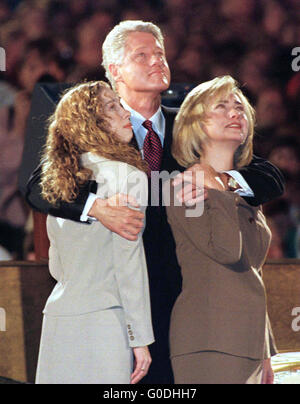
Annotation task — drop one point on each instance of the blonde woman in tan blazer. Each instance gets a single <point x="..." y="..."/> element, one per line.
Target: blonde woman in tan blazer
<point x="97" y="320"/>
<point x="219" y="332"/>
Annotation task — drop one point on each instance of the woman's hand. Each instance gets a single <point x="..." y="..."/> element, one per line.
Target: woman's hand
<point x="195" y="181"/>
<point x="142" y="361"/>
<point x="268" y="374"/>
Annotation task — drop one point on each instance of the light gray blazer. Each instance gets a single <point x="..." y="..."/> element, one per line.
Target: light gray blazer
<point x="95" y="268"/>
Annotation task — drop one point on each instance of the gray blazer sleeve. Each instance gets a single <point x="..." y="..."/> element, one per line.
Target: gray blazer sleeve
<point x="131" y="271"/>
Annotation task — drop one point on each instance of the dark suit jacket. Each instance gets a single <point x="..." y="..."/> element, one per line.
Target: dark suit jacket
<point x="163" y="269"/>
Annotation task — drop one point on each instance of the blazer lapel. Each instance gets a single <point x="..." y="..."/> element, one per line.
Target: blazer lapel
<point x="169" y="115"/>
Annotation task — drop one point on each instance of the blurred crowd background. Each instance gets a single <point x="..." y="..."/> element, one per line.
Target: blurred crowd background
<point x="253" y="40"/>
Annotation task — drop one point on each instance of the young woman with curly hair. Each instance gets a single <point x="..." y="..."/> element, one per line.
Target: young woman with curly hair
<point x="97" y="319"/>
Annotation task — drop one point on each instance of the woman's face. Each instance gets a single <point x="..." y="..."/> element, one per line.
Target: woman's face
<point x="227" y="120"/>
<point x="144" y="67"/>
<point x="117" y="116"/>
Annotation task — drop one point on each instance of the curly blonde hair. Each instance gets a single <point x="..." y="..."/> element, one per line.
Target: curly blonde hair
<point x="79" y="125"/>
<point x="188" y="134"/>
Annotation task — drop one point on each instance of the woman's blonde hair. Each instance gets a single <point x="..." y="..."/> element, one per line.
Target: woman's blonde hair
<point x="79" y="125"/>
<point x="188" y="133"/>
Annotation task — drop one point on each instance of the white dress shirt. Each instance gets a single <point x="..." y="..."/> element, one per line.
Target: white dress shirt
<point x="140" y="132"/>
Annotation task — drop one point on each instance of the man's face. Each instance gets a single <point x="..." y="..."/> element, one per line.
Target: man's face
<point x="144" y="67"/>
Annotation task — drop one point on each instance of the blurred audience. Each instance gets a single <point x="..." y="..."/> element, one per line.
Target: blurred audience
<point x="250" y="40"/>
<point x="284" y="214"/>
<point x="285" y="154"/>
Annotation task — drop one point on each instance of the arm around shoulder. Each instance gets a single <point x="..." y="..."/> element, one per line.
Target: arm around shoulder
<point x="265" y="180"/>
<point x="64" y="210"/>
<point x="209" y="232"/>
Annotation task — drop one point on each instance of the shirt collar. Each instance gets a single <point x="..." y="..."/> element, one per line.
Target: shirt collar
<point x="157" y="119"/>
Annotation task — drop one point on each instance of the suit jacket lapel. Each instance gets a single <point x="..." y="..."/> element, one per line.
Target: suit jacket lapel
<point x="169" y="115"/>
<point x="169" y="163"/>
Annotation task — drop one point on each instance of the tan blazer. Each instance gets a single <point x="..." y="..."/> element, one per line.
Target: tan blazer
<point x="222" y="305"/>
<point x="95" y="268"/>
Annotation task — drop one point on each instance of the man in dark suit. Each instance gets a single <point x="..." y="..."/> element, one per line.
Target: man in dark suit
<point x="135" y="63"/>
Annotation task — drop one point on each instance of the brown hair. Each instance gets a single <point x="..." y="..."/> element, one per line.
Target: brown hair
<point x="79" y="125"/>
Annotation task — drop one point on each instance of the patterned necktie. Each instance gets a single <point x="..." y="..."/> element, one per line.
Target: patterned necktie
<point x="153" y="150"/>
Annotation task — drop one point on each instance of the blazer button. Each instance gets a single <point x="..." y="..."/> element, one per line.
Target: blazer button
<point x="132" y="338"/>
<point x="251" y="220"/>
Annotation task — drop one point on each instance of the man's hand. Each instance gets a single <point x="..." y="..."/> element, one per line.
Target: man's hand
<point x="195" y="185"/>
<point x="116" y="216"/>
